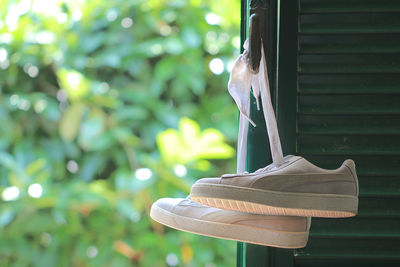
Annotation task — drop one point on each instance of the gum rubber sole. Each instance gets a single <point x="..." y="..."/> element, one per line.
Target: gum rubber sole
<point x="274" y="203"/>
<point x="254" y="235"/>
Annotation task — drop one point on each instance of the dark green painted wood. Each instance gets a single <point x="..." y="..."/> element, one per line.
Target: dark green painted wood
<point x="352" y="247"/>
<point x="353" y="6"/>
<point x="241" y="247"/>
<point x="350" y="104"/>
<point x="345" y="44"/>
<point x="258" y="154"/>
<point x="373" y="185"/>
<point x="318" y="23"/>
<point x="343" y="62"/>
<point x="378" y="165"/>
<point x="284" y="98"/>
<point x="368" y="63"/>
<point x="349" y="144"/>
<point x="285" y="101"/>
<point x="336" y="261"/>
<point x="349" y="107"/>
<point x="349" y="124"/>
<point x="258" y="256"/>
<point x="241" y="254"/>
<point x="287" y="76"/>
<point x="360" y="226"/>
<point x="349" y="83"/>
<point x="383" y="206"/>
<point x="268" y="256"/>
<point x="258" y="145"/>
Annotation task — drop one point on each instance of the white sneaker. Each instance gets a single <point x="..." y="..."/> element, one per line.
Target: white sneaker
<point x="295" y="188"/>
<point x="189" y="216"/>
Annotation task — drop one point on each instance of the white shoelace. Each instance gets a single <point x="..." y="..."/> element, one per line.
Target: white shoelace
<point x="240" y="82"/>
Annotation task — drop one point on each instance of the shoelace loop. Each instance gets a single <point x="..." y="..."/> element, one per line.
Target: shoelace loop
<point x="240" y="82"/>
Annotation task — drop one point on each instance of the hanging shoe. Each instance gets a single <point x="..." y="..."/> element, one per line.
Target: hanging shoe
<point x="295" y="188"/>
<point x="189" y="216"/>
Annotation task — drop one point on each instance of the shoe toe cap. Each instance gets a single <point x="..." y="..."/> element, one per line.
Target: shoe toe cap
<point x="167" y="203"/>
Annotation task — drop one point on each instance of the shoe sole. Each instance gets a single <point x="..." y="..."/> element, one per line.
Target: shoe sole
<point x="267" y="202"/>
<point x="254" y="235"/>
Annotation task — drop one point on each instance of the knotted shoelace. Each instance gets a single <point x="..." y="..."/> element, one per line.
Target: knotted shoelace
<point x="239" y="86"/>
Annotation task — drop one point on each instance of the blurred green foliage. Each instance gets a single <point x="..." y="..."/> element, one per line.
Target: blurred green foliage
<point x="95" y="103"/>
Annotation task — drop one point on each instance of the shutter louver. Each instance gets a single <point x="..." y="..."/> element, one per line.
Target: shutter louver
<point x="349" y="107"/>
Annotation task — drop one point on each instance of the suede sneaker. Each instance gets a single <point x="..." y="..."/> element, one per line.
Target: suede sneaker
<point x="295" y="188"/>
<point x="189" y="216"/>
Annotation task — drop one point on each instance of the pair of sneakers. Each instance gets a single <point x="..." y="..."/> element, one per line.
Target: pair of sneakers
<point x="272" y="206"/>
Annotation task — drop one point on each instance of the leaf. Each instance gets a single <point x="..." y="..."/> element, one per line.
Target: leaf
<point x="202" y="165"/>
<point x="169" y="145"/>
<point x="6" y="216"/>
<point x="93" y="134"/>
<point x="93" y="41"/>
<point x="221" y="151"/>
<point x="125" y="136"/>
<point x="164" y="71"/>
<point x="213" y="146"/>
<point x="190" y="131"/>
<point x="174" y="46"/>
<point x="7" y="160"/>
<point x="105" y="101"/>
<point x="126" y="208"/>
<point x="190" y="144"/>
<point x="71" y="121"/>
<point x="91" y="165"/>
<point x="134" y="113"/>
<point x="74" y="83"/>
<point x="37" y="171"/>
<point x="191" y="37"/>
<point x="108" y="59"/>
<point x="35" y="166"/>
<point x="126" y="181"/>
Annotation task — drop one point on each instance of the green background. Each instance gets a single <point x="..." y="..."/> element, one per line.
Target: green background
<point x="90" y="93"/>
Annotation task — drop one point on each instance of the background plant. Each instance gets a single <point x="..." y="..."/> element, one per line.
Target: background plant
<point x="106" y="106"/>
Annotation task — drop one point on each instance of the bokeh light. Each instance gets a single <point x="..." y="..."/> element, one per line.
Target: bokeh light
<point x="213" y="19"/>
<point x="35" y="190"/>
<point x="216" y="66"/>
<point x="172" y="259"/>
<point x="126" y="22"/>
<point x="10" y="193"/>
<point x="143" y="174"/>
<point x="180" y="170"/>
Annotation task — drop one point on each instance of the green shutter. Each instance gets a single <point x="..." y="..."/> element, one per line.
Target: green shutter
<point x="348" y="106"/>
<point x="338" y="97"/>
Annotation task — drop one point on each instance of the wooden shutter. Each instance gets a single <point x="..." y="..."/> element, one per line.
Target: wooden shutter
<point x="348" y="106"/>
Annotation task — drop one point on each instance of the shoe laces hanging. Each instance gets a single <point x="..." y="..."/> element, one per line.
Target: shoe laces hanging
<point x="239" y="86"/>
